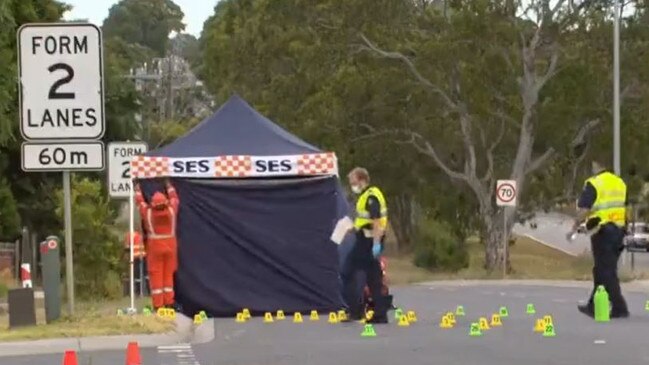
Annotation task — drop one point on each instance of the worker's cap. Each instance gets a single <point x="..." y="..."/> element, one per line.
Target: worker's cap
<point x="158" y="199"/>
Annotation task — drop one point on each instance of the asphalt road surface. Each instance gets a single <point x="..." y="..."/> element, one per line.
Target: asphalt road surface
<point x="579" y="340"/>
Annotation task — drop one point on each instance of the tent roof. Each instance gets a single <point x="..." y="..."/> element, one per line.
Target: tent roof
<point x="235" y="129"/>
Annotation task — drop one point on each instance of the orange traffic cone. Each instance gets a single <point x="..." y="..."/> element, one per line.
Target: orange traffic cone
<point x="133" y="354"/>
<point x="70" y="358"/>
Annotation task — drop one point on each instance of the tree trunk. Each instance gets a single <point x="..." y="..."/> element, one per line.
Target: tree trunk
<point x="403" y="220"/>
<point x="493" y="238"/>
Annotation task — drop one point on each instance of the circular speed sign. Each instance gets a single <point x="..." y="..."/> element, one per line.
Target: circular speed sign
<point x="506" y="192"/>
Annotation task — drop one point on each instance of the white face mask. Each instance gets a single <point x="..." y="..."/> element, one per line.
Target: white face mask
<point x="356" y="189"/>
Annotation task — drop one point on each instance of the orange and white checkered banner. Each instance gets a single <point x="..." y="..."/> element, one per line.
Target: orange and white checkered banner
<point x="145" y="167"/>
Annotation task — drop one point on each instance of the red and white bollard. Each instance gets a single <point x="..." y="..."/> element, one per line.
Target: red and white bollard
<point x="26" y="275"/>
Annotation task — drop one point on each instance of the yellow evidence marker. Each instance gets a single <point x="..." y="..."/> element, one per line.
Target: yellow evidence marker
<point x="171" y="313"/>
<point x="495" y="320"/>
<point x="412" y="317"/>
<point x="240" y="318"/>
<point x="540" y="325"/>
<point x="403" y="321"/>
<point x="198" y="319"/>
<point x="369" y="315"/>
<point x="445" y="322"/>
<point x="451" y="317"/>
<point x="333" y="318"/>
<point x="280" y="315"/>
<point x="314" y="315"/>
<point x="342" y="316"/>
<point x="547" y="319"/>
<point x="246" y="313"/>
<point x="484" y="324"/>
<point x="268" y="317"/>
<point x="297" y="317"/>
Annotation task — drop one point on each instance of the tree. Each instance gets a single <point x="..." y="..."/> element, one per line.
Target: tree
<point x="144" y="22"/>
<point x="487" y="65"/>
<point x="437" y="98"/>
<point x="26" y="190"/>
<point x="97" y="252"/>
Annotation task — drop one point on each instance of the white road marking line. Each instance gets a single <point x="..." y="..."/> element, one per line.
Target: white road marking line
<point x="183" y="354"/>
<point x="171" y="351"/>
<point x="599" y="342"/>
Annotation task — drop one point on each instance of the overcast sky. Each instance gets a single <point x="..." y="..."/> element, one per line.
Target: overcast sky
<point x="196" y="12"/>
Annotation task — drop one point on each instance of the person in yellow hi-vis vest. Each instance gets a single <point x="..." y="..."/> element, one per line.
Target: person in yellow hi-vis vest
<point x="602" y="205"/>
<point x="369" y="225"/>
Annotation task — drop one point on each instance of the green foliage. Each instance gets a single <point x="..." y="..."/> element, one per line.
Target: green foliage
<point x="144" y="22"/>
<point x="168" y="131"/>
<point x="307" y="67"/>
<point x="437" y="247"/>
<point x="9" y="218"/>
<point x="30" y="192"/>
<point x="97" y="252"/>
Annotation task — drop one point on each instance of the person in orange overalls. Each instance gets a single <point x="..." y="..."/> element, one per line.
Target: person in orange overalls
<point x="159" y="217"/>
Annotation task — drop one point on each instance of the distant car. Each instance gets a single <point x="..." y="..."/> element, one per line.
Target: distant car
<point x="637" y="238"/>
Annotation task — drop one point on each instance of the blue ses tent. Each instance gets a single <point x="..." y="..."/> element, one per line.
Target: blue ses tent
<point x="258" y="206"/>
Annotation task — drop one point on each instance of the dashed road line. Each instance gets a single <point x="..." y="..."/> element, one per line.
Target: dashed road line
<point x="181" y="354"/>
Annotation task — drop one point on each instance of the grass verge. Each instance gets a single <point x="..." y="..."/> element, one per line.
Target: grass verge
<point x="529" y="260"/>
<point x="90" y="319"/>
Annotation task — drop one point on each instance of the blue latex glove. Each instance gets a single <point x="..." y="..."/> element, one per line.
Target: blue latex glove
<point x="376" y="249"/>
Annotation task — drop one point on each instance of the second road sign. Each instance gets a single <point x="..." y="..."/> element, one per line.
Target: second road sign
<point x="506" y="193"/>
<point x="120" y="155"/>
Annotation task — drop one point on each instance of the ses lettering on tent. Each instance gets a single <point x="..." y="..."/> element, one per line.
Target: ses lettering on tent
<point x="256" y="166"/>
<point x="262" y="166"/>
<point x="191" y="166"/>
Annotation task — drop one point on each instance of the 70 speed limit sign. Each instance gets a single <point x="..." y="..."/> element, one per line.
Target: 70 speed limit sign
<point x="506" y="193"/>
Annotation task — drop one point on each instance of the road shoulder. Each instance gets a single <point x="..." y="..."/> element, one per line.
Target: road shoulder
<point x="185" y="332"/>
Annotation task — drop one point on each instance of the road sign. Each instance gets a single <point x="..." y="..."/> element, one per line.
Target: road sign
<point x="506" y="193"/>
<point x="63" y="156"/>
<point x="61" y="91"/>
<point x="120" y="155"/>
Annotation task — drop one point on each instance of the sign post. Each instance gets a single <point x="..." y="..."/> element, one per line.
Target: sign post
<point x="61" y="99"/>
<point x="505" y="197"/>
<point x="120" y="185"/>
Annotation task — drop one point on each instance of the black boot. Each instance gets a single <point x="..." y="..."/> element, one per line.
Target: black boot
<point x="587" y="309"/>
<point x="381" y="310"/>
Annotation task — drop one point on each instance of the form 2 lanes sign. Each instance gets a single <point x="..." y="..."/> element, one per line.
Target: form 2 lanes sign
<point x="61" y="81"/>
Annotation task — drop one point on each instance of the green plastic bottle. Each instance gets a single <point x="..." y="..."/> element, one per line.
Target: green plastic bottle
<point x="602" y="305"/>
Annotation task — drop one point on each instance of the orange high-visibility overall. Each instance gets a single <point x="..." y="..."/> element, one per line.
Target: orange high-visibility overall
<point x="162" y="257"/>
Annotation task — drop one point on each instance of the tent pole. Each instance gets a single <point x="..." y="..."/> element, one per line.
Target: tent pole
<point x="131" y="249"/>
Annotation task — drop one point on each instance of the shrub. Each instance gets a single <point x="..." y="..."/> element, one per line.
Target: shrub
<point x="97" y="251"/>
<point x="9" y="218"/>
<point x="437" y="247"/>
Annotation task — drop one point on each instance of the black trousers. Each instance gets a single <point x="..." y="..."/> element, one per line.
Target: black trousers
<point x="359" y="272"/>
<point x="607" y="245"/>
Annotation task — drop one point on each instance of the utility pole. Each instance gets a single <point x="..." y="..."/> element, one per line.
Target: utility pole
<point x="616" y="90"/>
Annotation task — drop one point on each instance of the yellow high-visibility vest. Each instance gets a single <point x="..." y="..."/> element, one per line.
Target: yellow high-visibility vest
<point x="610" y="204"/>
<point x="363" y="216"/>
